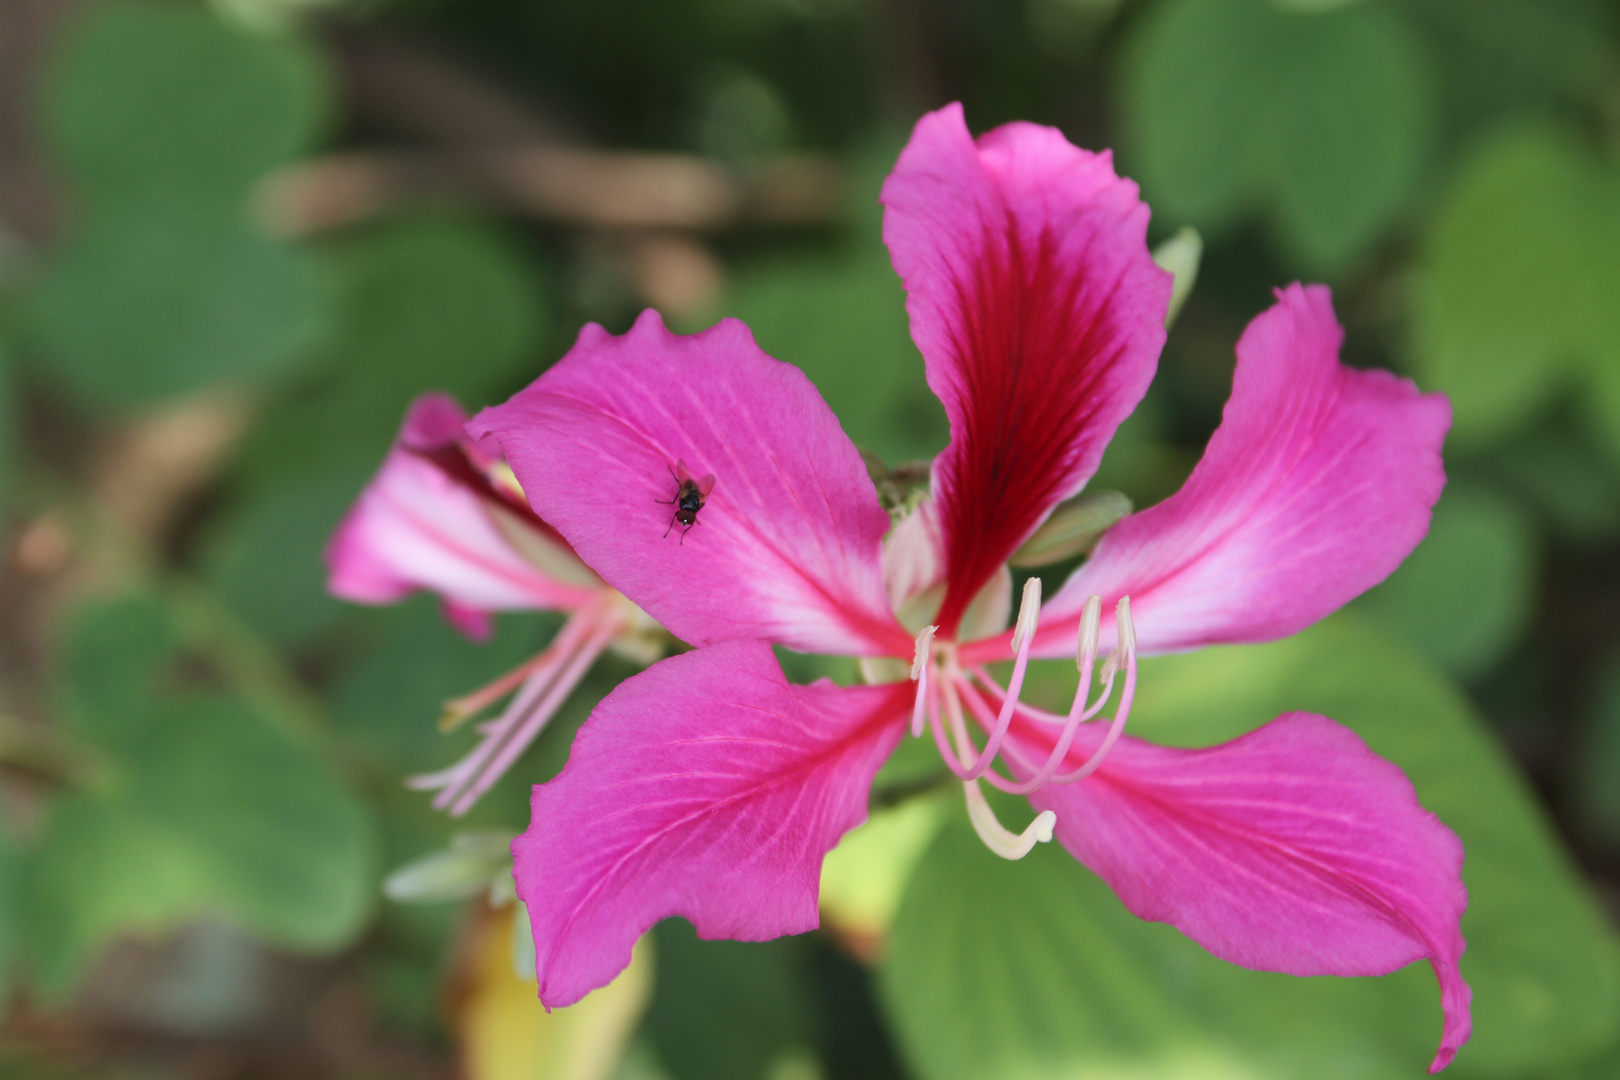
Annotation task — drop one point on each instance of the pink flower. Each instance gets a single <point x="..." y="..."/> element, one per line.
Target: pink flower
<point x="709" y="787"/>
<point x="443" y="515"/>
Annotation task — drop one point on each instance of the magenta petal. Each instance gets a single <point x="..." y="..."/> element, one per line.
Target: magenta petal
<point x="787" y="545"/>
<point x="1294" y="848"/>
<point x="414" y="527"/>
<point x="472" y="622"/>
<point x="1317" y="484"/>
<point x="1039" y="312"/>
<point x="706" y="787"/>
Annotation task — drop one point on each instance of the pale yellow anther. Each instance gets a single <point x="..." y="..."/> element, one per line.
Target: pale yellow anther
<point x="925" y="646"/>
<point x="1029" y="614"/>
<point x="1090" y="629"/>
<point x="1126" y="649"/>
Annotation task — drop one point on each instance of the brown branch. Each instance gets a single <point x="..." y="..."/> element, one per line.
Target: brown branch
<point x="590" y="188"/>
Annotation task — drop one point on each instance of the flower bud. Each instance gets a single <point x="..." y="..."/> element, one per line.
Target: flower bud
<point x="1072" y="529"/>
<point x="1180" y="255"/>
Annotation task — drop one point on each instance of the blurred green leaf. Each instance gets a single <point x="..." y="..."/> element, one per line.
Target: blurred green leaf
<point x="219" y="813"/>
<point x="1465" y="595"/>
<point x="425" y="304"/>
<point x="1566" y="477"/>
<point x="140" y="305"/>
<point x="723" y="1010"/>
<point x="1563" y="44"/>
<point x="1606" y="1067"/>
<point x="163" y="117"/>
<point x="288" y="849"/>
<point x="98" y="873"/>
<point x="1596" y="764"/>
<point x="112" y="659"/>
<point x="1319" y="120"/>
<point x="144" y="99"/>
<point x="266" y="560"/>
<point x="10" y="939"/>
<point x="429" y="304"/>
<point x="1517" y="303"/>
<point x="8" y="423"/>
<point x="386" y="706"/>
<point x="842" y="319"/>
<point x="203" y="807"/>
<point x="839" y="314"/>
<point x="1024" y="969"/>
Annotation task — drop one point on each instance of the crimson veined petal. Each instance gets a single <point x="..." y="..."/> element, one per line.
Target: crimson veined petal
<point x="1040" y="315"/>
<point x="1294" y="848"/>
<point x="1317" y="484"/>
<point x="416" y="526"/>
<point x="786" y="546"/>
<point x="706" y="787"/>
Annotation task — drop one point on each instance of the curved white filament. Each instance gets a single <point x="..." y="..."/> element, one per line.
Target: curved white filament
<point x="996" y="836"/>
<point x="1029" y="613"/>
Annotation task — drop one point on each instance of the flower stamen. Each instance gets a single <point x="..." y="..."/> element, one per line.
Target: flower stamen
<point x="551" y="678"/>
<point x="1029" y="612"/>
<point x="458" y="710"/>
<point x="1124" y="656"/>
<point x="996" y="836"/>
<point x="919" y="675"/>
<point x="1079" y="712"/>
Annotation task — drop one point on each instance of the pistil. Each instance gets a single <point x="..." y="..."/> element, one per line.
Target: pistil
<point x="996" y="836"/>
<point x="939" y="706"/>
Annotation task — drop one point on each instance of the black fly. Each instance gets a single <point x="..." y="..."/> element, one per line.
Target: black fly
<point x="688" y="498"/>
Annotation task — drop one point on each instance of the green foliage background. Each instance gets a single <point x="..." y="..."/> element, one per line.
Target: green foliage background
<point x="203" y="737"/>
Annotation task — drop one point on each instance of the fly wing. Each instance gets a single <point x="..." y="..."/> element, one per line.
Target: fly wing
<point x="705" y="484"/>
<point x="682" y="473"/>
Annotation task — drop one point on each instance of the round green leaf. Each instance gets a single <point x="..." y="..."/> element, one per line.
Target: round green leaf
<point x="143" y="305"/>
<point x="1464" y="596"/>
<point x="210" y="811"/>
<point x="266" y="559"/>
<point x="146" y="96"/>
<point x="723" y="1010"/>
<point x="843" y="321"/>
<point x="198" y="806"/>
<point x="164" y="118"/>
<point x="288" y="850"/>
<point x="422" y="304"/>
<point x="1517" y="300"/>
<point x="1033" y="969"/>
<point x="101" y="870"/>
<point x="1319" y="120"/>
<point x="1597" y="762"/>
<point x="434" y="303"/>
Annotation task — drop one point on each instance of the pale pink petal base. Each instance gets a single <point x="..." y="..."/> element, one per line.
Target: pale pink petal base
<point x="706" y="787"/>
<point x="787" y="545"/>
<point x="1294" y="848"/>
<point x="414" y="527"/>
<point x="1317" y="484"/>
<point x="913" y="556"/>
<point x="1039" y="313"/>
